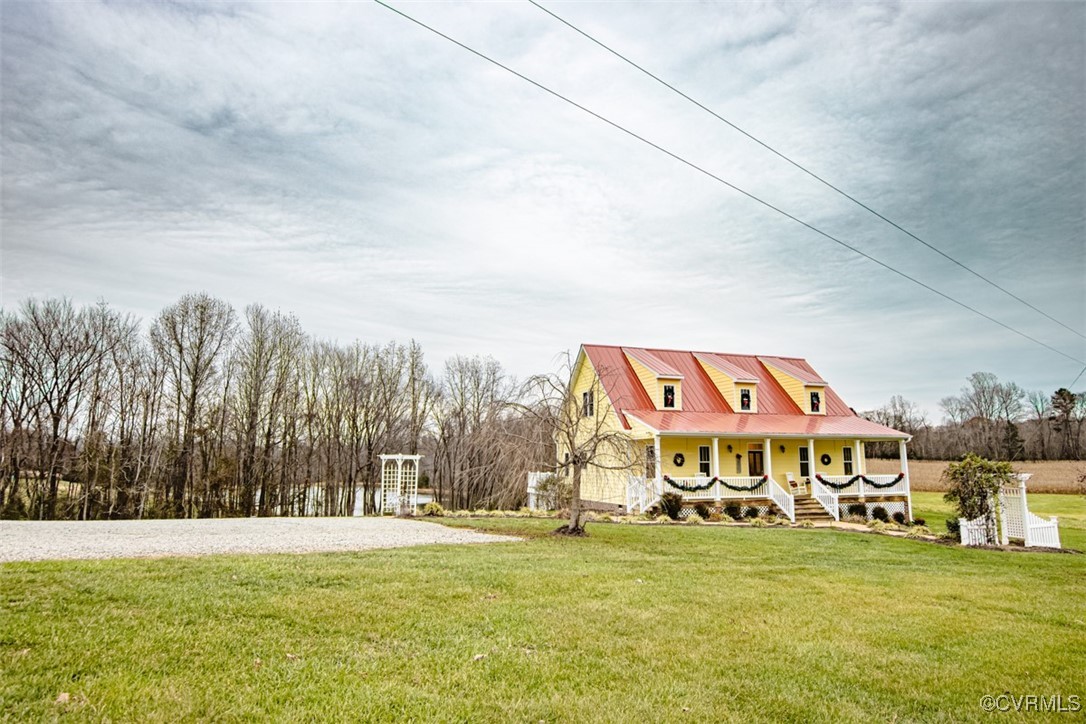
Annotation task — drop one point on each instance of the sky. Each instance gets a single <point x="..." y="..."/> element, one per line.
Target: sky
<point x="341" y="163"/>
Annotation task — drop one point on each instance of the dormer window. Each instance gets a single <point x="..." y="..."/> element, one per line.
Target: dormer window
<point x="744" y="400"/>
<point x="816" y="402"/>
<point x="669" y="396"/>
<point x="587" y="404"/>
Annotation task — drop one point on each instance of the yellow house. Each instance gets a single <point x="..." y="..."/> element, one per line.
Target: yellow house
<point x="730" y="431"/>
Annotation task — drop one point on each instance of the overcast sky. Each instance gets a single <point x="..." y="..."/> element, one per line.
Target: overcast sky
<point x="336" y="161"/>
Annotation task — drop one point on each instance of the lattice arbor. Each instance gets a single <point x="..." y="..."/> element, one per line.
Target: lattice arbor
<point x="399" y="484"/>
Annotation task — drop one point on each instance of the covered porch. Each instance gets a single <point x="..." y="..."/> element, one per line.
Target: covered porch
<point x="773" y="472"/>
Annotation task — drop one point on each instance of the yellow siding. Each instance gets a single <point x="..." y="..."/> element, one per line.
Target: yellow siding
<point x="598" y="484"/>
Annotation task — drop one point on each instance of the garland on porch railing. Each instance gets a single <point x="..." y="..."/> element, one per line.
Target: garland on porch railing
<point x="698" y="488"/>
<point x="854" y="478"/>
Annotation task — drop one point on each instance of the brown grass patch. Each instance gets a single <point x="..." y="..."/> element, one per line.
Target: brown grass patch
<point x="1049" y="476"/>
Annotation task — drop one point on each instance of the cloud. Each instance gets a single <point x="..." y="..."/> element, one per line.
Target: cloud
<point x="340" y="162"/>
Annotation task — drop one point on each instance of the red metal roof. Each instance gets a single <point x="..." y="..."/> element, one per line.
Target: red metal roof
<point x="656" y="365"/>
<point x="705" y="410"/>
<point x="714" y="423"/>
<point x="738" y="374"/>
<point x="803" y="372"/>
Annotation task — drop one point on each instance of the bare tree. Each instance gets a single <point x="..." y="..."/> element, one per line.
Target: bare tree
<point x="191" y="338"/>
<point x="585" y="430"/>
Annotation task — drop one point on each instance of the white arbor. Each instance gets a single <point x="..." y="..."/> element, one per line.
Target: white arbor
<point x="399" y="484"/>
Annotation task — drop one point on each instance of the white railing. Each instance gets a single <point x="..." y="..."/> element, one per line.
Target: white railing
<point x="827" y="498"/>
<point x="640" y="493"/>
<point x="859" y="489"/>
<point x="782" y="499"/>
<point x="754" y="487"/>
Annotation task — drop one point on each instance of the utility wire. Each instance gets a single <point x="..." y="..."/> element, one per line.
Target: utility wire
<point x="806" y="170"/>
<point x="730" y="185"/>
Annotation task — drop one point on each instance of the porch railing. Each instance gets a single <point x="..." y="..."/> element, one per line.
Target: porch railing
<point x="826" y="497"/>
<point x="858" y="488"/>
<point x="749" y="487"/>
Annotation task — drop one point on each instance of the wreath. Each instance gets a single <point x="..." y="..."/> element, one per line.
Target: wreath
<point x="854" y="478"/>
<point x="826" y="459"/>
<point x="679" y="460"/>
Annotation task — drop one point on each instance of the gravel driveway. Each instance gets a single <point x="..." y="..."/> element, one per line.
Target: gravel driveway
<point x="50" y="540"/>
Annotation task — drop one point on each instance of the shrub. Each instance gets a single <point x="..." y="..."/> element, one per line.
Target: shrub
<point x="877" y="525"/>
<point x="672" y="504"/>
<point x="758" y="523"/>
<point x="716" y="518"/>
<point x="858" y="509"/>
<point x="806" y="524"/>
<point x="433" y="509"/>
<point x="954" y="527"/>
<point x="703" y="510"/>
<point x="858" y="519"/>
<point x="917" y="531"/>
<point x="733" y="511"/>
<point x="751" y="512"/>
<point x="919" y="521"/>
<point x="554" y="492"/>
<point x="662" y="519"/>
<point x="879" y="513"/>
<point x="694" y="519"/>
<point x="899" y="518"/>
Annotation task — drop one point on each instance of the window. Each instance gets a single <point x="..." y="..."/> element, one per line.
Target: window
<point x="816" y="402"/>
<point x="669" y="395"/>
<point x="744" y="400"/>
<point x="738" y="464"/>
<point x="650" y="461"/>
<point x="703" y="460"/>
<point x="846" y="458"/>
<point x="587" y="405"/>
<point x="804" y="463"/>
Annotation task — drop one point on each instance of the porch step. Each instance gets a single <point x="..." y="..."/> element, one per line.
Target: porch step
<point x="807" y="508"/>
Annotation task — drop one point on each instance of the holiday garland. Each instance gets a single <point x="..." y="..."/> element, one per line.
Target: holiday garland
<point x="854" y="478"/>
<point x="698" y="488"/>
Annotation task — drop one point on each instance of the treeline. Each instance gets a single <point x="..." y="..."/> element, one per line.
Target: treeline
<point x="994" y="419"/>
<point x="208" y="414"/>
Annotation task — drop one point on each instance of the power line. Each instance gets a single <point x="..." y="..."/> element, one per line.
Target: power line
<point x="806" y="170"/>
<point x="730" y="185"/>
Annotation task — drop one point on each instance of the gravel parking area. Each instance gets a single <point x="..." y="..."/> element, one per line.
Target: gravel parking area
<point x="53" y="540"/>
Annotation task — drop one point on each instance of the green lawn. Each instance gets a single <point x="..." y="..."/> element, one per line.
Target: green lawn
<point x="1070" y="509"/>
<point x="635" y="623"/>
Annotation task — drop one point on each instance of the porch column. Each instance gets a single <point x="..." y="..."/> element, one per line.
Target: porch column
<point x="858" y="468"/>
<point x="768" y="458"/>
<point x="811" y="457"/>
<point x="656" y="451"/>
<point x="716" y="457"/>
<point x="902" y="455"/>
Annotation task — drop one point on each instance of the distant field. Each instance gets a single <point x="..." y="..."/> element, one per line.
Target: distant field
<point x="1049" y="476"/>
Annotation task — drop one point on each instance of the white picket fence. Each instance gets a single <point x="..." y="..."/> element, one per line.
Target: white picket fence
<point x="1015" y="520"/>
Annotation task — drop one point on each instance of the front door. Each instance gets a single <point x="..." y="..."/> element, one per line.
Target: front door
<point x="755" y="466"/>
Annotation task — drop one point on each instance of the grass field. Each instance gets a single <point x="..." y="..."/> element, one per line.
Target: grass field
<point x="634" y="623"/>
<point x="1049" y="476"/>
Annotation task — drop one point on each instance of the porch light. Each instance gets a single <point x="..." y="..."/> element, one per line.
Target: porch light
<point x="782" y="448"/>
<point x="729" y="448"/>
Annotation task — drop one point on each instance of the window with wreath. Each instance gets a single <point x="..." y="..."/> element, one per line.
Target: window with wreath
<point x="744" y="400"/>
<point x="816" y="402"/>
<point x="587" y="404"/>
<point x="669" y="395"/>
